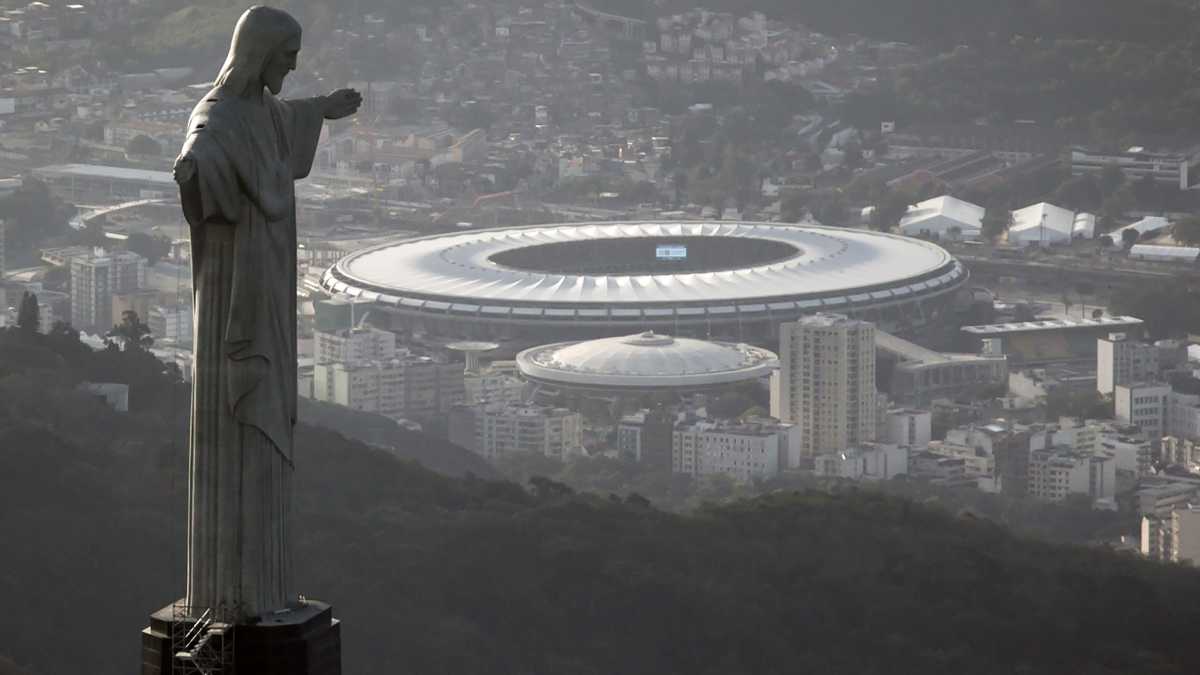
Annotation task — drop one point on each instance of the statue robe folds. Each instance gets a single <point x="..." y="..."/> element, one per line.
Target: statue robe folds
<point x="241" y="157"/>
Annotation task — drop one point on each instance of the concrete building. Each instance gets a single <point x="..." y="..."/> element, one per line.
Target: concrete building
<point x="494" y="431"/>
<point x="1130" y="449"/>
<point x="1158" y="497"/>
<point x="939" y="469"/>
<point x="1029" y="343"/>
<point x="1174" y="537"/>
<point x="1181" y="452"/>
<point x="497" y="382"/>
<point x="826" y="382"/>
<point x="95" y="277"/>
<point x="172" y="324"/>
<point x="910" y="428"/>
<point x="743" y="451"/>
<point x="920" y="375"/>
<point x="1056" y="473"/>
<point x="1121" y="360"/>
<point x="408" y="388"/>
<point x="141" y="301"/>
<point x="353" y="345"/>
<point x="1145" y="406"/>
<point x="3" y="234"/>
<point x="648" y="437"/>
<point x="91" y="184"/>
<point x="870" y="461"/>
<point x="1170" y="167"/>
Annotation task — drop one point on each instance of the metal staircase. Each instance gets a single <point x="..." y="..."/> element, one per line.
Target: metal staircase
<point x="201" y="645"/>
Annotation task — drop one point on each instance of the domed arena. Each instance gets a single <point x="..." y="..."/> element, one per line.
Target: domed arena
<point x="724" y="280"/>
<point x="642" y="363"/>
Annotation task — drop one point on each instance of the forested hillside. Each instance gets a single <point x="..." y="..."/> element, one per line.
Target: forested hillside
<point x="433" y="574"/>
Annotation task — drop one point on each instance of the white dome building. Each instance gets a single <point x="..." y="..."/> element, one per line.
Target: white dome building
<point x="647" y="362"/>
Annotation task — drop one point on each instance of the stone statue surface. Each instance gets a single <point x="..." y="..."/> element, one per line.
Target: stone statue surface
<point x="243" y="151"/>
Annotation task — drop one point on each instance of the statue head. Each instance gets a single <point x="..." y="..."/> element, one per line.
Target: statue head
<point x="263" y="51"/>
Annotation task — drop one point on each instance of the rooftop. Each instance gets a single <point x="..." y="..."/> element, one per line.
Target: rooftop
<point x="1053" y="324"/>
<point x="646" y="360"/>
<point x="823" y="267"/>
<point x="109" y="172"/>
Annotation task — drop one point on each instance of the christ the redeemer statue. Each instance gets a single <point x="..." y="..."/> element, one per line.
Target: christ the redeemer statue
<point x="244" y="150"/>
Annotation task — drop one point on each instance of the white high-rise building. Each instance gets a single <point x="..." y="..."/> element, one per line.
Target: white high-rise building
<point x="1056" y="473"/>
<point x="95" y="277"/>
<point x="1183" y="416"/>
<point x="172" y="324"/>
<point x="3" y="234"/>
<point x="1174" y="537"/>
<point x="494" y="431"/>
<point x="498" y="382"/>
<point x="412" y="388"/>
<point x="826" y="382"/>
<point x="744" y="451"/>
<point x="1121" y="360"/>
<point x="1144" y="406"/>
<point x="358" y="345"/>
<point x="870" y="461"/>
<point x="910" y="428"/>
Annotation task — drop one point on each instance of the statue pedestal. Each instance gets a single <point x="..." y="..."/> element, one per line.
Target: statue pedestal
<point x="303" y="640"/>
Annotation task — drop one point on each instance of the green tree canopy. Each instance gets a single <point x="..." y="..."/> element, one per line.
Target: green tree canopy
<point x="152" y="248"/>
<point x="131" y="333"/>
<point x="1186" y="230"/>
<point x="996" y="222"/>
<point x="29" y="313"/>
<point x="143" y="145"/>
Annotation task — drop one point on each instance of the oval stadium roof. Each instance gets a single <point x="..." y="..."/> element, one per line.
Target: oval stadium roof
<point x="831" y="265"/>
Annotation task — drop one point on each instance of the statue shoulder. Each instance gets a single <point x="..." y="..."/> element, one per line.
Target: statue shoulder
<point x="218" y="113"/>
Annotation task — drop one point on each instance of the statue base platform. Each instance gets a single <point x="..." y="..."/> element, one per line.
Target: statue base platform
<point x="301" y="640"/>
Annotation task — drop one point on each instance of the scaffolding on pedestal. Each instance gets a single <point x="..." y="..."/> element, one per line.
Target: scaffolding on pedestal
<point x="201" y="642"/>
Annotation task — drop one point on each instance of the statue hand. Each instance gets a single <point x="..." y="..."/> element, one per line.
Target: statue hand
<point x="341" y="103"/>
<point x="184" y="169"/>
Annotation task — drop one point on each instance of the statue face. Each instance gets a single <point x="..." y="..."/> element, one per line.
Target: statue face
<point x="282" y="62"/>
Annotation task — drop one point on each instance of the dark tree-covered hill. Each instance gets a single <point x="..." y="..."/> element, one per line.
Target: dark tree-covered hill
<point x="433" y="574"/>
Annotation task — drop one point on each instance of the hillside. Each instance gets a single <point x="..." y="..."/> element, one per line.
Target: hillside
<point x="380" y="432"/>
<point x="433" y="574"/>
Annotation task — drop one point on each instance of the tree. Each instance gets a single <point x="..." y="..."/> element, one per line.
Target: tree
<point x="32" y="216"/>
<point x="149" y="247"/>
<point x="679" y="181"/>
<point x="131" y="333"/>
<point x="1149" y="194"/>
<point x="996" y="222"/>
<point x="1116" y="205"/>
<point x="888" y="211"/>
<point x="1129" y="237"/>
<point x="29" y="314"/>
<point x="1187" y="230"/>
<point x="1111" y="179"/>
<point x="1079" y="193"/>
<point x="1085" y="404"/>
<point x="143" y="145"/>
